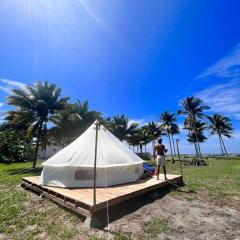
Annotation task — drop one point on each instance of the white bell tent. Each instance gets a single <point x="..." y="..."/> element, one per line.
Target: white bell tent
<point x="73" y="166"/>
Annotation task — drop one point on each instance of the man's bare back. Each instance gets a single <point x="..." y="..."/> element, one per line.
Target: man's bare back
<point x="160" y="149"/>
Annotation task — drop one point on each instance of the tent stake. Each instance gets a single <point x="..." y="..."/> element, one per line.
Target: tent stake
<point x="95" y="166"/>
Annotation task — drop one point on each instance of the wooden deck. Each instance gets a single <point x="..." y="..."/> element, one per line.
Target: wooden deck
<point x="80" y="200"/>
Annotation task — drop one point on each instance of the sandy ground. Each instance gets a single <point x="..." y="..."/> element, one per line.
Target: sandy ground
<point x="192" y="220"/>
<point x="189" y="217"/>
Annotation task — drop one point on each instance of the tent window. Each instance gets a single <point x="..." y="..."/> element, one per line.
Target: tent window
<point x="84" y="174"/>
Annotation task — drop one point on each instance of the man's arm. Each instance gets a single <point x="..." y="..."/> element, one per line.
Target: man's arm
<point x="165" y="150"/>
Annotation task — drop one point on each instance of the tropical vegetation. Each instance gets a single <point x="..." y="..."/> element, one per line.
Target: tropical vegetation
<point x="168" y="124"/>
<point x="41" y="116"/>
<point x="194" y="110"/>
<point x="221" y="126"/>
<point x="14" y="145"/>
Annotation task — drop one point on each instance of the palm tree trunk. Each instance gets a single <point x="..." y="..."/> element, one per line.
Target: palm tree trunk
<point x="174" y="149"/>
<point x="196" y="150"/>
<point x="200" y="153"/>
<point x="141" y="150"/>
<point x="37" y="144"/>
<point x="220" y="144"/>
<point x="199" y="150"/>
<point x="195" y="146"/>
<point x="170" y="147"/>
<point x="224" y="145"/>
<point x="45" y="140"/>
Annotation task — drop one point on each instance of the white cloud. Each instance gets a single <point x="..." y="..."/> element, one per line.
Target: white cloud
<point x="6" y="89"/>
<point x="1" y="104"/>
<point x="228" y="66"/>
<point x="236" y="134"/>
<point x="10" y="84"/>
<point x="223" y="98"/>
<point x="143" y="121"/>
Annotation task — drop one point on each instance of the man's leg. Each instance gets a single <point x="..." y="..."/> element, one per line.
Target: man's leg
<point x="157" y="170"/>
<point x="165" y="172"/>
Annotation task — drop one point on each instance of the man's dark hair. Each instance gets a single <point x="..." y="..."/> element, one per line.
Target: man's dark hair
<point x="159" y="140"/>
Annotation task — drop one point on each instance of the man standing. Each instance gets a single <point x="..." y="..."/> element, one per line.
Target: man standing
<point x="160" y="162"/>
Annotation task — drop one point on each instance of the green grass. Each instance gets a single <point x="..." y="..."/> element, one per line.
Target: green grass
<point x="156" y="226"/>
<point x="219" y="180"/>
<point x="24" y="216"/>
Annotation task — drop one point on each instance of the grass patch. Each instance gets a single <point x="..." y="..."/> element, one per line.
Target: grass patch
<point x="219" y="180"/>
<point x="24" y="216"/>
<point x="121" y="236"/>
<point x="156" y="226"/>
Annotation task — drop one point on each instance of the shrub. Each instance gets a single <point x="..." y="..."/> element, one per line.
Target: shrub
<point x="14" y="146"/>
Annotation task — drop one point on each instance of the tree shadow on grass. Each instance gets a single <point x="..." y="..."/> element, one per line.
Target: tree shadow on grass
<point x="20" y="171"/>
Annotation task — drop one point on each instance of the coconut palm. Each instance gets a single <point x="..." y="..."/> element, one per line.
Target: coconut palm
<point x="154" y="131"/>
<point x="194" y="109"/>
<point x="40" y="101"/>
<point x="121" y="126"/>
<point x="198" y="135"/>
<point x="174" y="130"/>
<point x="132" y="139"/>
<point x="84" y="116"/>
<point x="221" y="126"/>
<point x="143" y="138"/>
<point x="188" y="127"/>
<point x="63" y="131"/>
<point x="168" y="124"/>
<point x="72" y="122"/>
<point x="20" y="120"/>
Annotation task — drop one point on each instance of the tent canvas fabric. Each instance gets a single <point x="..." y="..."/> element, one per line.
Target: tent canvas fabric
<point x="73" y="166"/>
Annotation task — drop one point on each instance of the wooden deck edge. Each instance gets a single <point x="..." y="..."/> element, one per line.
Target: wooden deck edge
<point x="102" y="205"/>
<point x="87" y="210"/>
<point x="58" y="198"/>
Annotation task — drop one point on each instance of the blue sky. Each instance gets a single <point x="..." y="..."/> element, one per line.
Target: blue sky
<point x="134" y="57"/>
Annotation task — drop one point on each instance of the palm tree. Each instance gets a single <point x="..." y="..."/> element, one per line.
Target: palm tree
<point x="64" y="128"/>
<point x="154" y="131"/>
<point x="221" y="126"/>
<point x="168" y="124"/>
<point x="20" y="120"/>
<point x="143" y="138"/>
<point x="132" y="139"/>
<point x="84" y="116"/>
<point x="121" y="126"/>
<point x="72" y="122"/>
<point x="194" y="109"/>
<point x="40" y="101"/>
<point x="198" y="135"/>
<point x="174" y="130"/>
